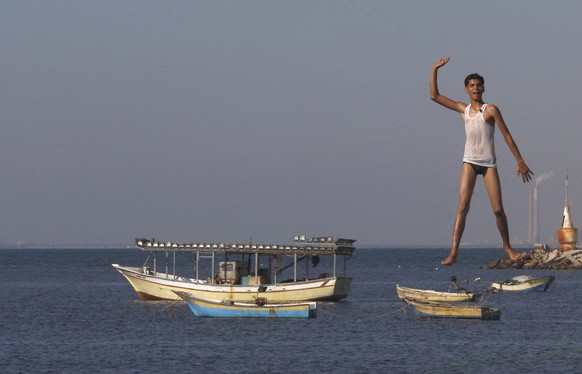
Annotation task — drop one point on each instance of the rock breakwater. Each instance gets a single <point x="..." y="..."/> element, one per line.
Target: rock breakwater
<point x="536" y="259"/>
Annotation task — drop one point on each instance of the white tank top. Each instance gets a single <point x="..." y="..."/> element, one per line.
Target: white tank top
<point x="479" y="146"/>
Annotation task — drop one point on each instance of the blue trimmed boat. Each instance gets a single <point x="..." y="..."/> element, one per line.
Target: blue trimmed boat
<point x="259" y="309"/>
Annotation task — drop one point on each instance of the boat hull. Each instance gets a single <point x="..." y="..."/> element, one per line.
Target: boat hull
<point x="462" y="311"/>
<point x="217" y="309"/>
<point x="537" y="284"/>
<point x="430" y="295"/>
<point x="158" y="286"/>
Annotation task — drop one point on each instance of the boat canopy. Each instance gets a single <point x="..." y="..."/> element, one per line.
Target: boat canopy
<point x="312" y="246"/>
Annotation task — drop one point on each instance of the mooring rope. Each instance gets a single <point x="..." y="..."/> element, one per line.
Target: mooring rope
<point x="320" y="310"/>
<point x="404" y="309"/>
<point x="377" y="316"/>
<point x="171" y="304"/>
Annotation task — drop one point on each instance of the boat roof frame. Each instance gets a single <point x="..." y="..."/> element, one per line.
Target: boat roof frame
<point x="343" y="247"/>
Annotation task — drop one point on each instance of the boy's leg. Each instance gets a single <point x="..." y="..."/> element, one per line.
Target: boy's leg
<point x="493" y="187"/>
<point x="466" y="187"/>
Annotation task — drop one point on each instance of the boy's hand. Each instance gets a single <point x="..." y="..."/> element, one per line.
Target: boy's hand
<point x="440" y="63"/>
<point x="524" y="172"/>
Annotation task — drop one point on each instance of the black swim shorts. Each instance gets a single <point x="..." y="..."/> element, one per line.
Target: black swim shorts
<point x="478" y="169"/>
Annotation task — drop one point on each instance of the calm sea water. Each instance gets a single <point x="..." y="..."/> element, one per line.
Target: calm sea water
<point x="69" y="311"/>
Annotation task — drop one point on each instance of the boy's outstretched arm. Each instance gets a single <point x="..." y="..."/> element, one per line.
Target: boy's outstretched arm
<point x="522" y="170"/>
<point x="434" y="89"/>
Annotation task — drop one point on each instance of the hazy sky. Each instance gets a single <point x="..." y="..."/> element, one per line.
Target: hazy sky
<point x="229" y="120"/>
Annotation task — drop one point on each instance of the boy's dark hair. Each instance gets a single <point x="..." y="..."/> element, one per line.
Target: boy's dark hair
<point x="474" y="76"/>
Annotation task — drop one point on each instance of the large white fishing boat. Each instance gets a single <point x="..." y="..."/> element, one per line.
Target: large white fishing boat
<point x="307" y="270"/>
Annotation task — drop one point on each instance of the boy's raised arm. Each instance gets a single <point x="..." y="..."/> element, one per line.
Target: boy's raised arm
<point x="434" y="89"/>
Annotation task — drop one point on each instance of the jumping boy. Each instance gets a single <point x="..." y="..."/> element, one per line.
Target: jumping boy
<point x="479" y="158"/>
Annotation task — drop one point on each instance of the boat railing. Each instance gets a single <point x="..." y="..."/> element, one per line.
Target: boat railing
<point x="313" y="249"/>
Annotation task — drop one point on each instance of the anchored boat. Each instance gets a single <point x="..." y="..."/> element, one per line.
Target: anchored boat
<point x="455" y="293"/>
<point x="244" y="272"/>
<point x="455" y="310"/>
<point x="260" y="308"/>
<point x="417" y="294"/>
<point x="525" y="283"/>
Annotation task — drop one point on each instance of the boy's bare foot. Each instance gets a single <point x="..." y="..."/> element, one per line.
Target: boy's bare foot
<point x="448" y="261"/>
<point x="513" y="255"/>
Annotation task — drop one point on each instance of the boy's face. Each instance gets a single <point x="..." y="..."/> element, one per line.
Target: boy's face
<point x="475" y="89"/>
